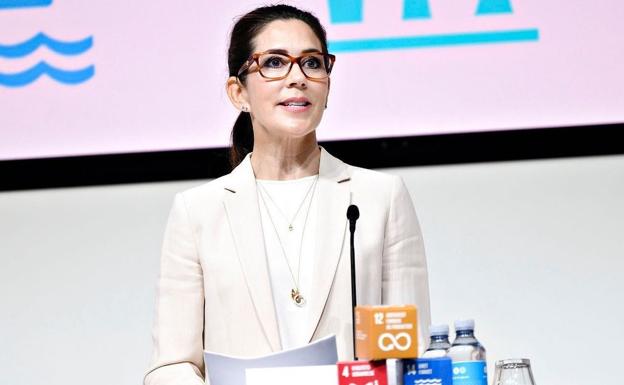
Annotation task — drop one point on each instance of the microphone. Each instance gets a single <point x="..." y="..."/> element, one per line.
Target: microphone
<point x="353" y="213"/>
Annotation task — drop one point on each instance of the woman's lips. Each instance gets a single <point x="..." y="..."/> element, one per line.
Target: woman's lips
<point x="296" y="107"/>
<point x="296" y="104"/>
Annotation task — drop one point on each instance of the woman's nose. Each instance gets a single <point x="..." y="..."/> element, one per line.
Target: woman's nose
<point x="296" y="76"/>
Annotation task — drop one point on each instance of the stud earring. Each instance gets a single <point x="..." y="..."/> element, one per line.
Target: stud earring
<point x="245" y="108"/>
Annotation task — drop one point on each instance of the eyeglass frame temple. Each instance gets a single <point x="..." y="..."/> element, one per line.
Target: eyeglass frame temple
<point x="293" y="59"/>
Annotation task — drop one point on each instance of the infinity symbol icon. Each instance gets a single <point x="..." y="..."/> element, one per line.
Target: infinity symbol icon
<point x="394" y="341"/>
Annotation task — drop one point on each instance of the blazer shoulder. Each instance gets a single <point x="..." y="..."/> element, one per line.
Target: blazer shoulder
<point x="210" y="191"/>
<point x="382" y="180"/>
<point x="375" y="186"/>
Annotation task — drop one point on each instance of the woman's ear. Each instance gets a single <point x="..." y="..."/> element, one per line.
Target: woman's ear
<point x="237" y="93"/>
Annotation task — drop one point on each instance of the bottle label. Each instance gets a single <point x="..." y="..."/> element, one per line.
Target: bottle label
<point x="428" y="371"/>
<point x="469" y="373"/>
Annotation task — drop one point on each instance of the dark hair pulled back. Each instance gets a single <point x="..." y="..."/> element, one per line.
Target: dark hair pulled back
<point x="247" y="27"/>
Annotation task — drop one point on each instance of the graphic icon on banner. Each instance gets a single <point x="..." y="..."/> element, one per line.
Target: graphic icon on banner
<point x="24" y="3"/>
<point x="27" y="47"/>
<point x="352" y="12"/>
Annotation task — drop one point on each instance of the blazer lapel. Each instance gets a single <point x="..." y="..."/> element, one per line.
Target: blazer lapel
<point x="241" y="206"/>
<point x="334" y="197"/>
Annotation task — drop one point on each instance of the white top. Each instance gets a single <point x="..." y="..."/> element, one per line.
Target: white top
<point x="282" y="201"/>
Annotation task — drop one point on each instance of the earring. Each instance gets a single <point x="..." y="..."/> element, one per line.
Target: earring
<point x="244" y="108"/>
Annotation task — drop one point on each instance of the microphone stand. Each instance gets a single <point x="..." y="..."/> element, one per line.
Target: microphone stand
<point x="353" y="214"/>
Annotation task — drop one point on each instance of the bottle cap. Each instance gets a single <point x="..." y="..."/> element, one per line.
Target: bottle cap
<point x="464" y="324"/>
<point x="439" y="330"/>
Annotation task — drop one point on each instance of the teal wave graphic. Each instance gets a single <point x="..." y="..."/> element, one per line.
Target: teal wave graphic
<point x="429" y="41"/>
<point x="68" y="48"/>
<point x="28" y="76"/>
<point x="24" y="3"/>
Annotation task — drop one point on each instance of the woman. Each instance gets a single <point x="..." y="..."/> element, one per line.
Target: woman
<point x="256" y="261"/>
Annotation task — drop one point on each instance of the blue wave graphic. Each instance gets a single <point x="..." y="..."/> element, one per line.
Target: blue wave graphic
<point x="24" y="3"/>
<point x="68" y="48"/>
<point x="21" y="79"/>
<point x="428" y="41"/>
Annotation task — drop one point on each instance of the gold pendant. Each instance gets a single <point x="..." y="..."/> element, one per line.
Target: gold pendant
<point x="290" y="227"/>
<point x="297" y="297"/>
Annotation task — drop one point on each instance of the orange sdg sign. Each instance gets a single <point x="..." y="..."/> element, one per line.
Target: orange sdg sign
<point x="383" y="332"/>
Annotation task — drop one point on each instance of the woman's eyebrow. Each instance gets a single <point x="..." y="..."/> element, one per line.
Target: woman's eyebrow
<point x="285" y="52"/>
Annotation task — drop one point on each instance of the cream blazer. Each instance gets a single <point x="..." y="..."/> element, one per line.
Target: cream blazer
<point x="214" y="288"/>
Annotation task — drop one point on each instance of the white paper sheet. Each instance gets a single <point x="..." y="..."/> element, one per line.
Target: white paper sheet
<point x="222" y="369"/>
<point x="299" y="375"/>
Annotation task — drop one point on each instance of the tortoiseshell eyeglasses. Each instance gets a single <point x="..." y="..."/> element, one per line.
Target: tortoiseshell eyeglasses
<point x="277" y="66"/>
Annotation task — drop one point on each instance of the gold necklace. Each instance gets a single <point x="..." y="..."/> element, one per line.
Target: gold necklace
<point x="290" y="222"/>
<point x="295" y="293"/>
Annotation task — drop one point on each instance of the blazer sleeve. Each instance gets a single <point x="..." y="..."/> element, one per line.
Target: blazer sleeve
<point x="179" y="318"/>
<point x="404" y="276"/>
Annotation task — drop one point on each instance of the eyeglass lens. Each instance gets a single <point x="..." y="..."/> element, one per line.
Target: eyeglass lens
<point x="276" y="66"/>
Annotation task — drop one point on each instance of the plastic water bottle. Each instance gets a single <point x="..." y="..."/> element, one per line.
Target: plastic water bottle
<point x="439" y="344"/>
<point x="468" y="355"/>
<point x="466" y="347"/>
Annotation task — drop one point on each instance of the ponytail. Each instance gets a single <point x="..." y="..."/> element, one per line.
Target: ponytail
<point x="242" y="139"/>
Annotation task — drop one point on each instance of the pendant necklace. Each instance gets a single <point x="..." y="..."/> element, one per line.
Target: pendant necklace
<point x="291" y="221"/>
<point x="295" y="293"/>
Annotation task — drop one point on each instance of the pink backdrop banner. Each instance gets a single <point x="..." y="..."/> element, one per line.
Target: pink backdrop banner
<point x="133" y="76"/>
